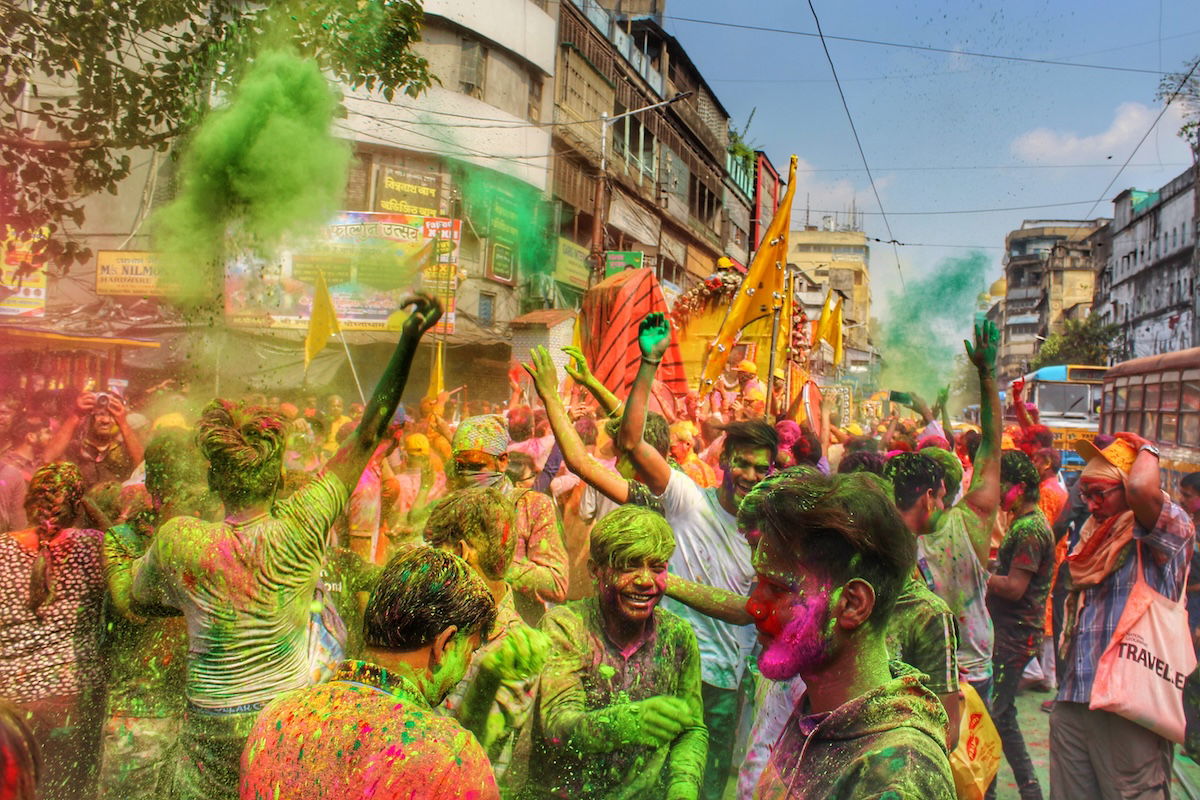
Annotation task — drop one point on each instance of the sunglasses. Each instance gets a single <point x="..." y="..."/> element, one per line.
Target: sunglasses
<point x="1097" y="494"/>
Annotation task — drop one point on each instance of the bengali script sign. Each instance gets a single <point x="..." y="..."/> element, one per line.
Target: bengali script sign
<point x="371" y="263"/>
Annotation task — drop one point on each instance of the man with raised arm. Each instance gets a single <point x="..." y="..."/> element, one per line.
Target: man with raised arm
<point x="710" y="549"/>
<point x="246" y="584"/>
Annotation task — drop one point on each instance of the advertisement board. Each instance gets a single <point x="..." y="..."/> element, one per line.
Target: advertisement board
<point x="22" y="286"/>
<point x="130" y="273"/>
<point x="371" y="262"/>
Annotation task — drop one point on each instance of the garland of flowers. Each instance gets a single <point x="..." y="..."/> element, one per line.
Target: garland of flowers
<point x="717" y="289"/>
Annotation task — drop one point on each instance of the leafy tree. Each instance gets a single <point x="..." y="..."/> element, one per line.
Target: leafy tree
<point x="84" y="84"/>
<point x="1086" y="341"/>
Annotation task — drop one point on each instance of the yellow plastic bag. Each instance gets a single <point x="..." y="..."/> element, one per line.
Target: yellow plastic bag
<point x="977" y="758"/>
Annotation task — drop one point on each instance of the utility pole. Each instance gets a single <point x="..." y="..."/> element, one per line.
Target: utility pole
<point x="600" y="207"/>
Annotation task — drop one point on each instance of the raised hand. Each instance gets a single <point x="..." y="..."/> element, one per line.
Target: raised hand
<point x="85" y="403"/>
<point x="541" y="369"/>
<point x="943" y="396"/>
<point x="425" y="313"/>
<point x="1018" y="388"/>
<point x="654" y="335"/>
<point x="987" y="342"/>
<point x="578" y="367"/>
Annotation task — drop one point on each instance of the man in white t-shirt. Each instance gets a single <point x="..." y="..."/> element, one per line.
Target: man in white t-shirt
<point x="709" y="548"/>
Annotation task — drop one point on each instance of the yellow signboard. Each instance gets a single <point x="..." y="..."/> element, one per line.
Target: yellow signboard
<point x="128" y="272"/>
<point x="571" y="265"/>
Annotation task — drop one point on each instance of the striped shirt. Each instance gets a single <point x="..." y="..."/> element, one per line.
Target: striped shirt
<point x="1163" y="561"/>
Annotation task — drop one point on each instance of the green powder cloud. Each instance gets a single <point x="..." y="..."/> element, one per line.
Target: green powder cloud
<point x="927" y="322"/>
<point x="258" y="170"/>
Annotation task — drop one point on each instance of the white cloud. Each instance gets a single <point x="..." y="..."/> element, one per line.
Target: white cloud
<point x="1129" y="123"/>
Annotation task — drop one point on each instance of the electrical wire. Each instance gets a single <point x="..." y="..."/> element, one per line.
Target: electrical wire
<point x="989" y="166"/>
<point x="1145" y="136"/>
<point x="955" y="211"/>
<point x="926" y="48"/>
<point x="928" y="244"/>
<point x="862" y="153"/>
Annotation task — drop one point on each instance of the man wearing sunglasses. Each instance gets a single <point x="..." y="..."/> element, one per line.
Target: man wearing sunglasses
<point x="1098" y="753"/>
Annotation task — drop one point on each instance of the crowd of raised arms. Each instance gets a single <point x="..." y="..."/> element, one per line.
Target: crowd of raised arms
<point x="568" y="594"/>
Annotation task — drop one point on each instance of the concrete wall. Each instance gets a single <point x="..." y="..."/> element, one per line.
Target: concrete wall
<point x="518" y="25"/>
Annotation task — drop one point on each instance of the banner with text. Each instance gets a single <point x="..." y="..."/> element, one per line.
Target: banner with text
<point x="130" y="273"/>
<point x="371" y="263"/>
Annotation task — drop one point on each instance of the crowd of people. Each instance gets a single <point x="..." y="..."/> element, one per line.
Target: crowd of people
<point x="568" y="594"/>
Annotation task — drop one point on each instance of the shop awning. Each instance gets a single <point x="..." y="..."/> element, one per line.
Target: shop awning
<point x="75" y="339"/>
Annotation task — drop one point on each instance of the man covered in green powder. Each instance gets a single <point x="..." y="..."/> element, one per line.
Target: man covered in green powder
<point x="246" y="585"/>
<point x="833" y="556"/>
<point x="147" y="647"/>
<point x="372" y="733"/>
<point x="494" y="697"/>
<point x="618" y="712"/>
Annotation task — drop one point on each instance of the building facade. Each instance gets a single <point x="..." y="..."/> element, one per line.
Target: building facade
<point x="838" y="258"/>
<point x="1049" y="277"/>
<point x="1148" y="285"/>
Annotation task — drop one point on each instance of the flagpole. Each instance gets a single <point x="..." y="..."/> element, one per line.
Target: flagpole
<point x="775" y="313"/>
<point x="353" y="371"/>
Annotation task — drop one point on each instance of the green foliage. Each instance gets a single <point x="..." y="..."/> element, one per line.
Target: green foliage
<point x="1086" y="341"/>
<point x="85" y="84"/>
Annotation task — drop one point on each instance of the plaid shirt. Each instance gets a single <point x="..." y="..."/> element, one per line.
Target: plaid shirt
<point x="1164" y="560"/>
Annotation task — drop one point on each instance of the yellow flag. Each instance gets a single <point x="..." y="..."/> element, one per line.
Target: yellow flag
<point x="437" y="377"/>
<point x="835" y="332"/>
<point x="322" y="322"/>
<point x="825" y="321"/>
<point x="761" y="290"/>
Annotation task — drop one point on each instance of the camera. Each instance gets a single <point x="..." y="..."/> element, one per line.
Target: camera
<point x="102" y="400"/>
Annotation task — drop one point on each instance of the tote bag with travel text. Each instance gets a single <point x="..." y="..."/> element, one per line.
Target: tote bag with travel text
<point x="1142" y="672"/>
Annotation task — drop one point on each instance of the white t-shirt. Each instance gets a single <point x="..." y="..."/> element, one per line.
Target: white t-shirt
<point x="710" y="550"/>
<point x="952" y="571"/>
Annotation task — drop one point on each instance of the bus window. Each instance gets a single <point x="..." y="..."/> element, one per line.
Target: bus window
<point x="1189" y="417"/>
<point x="1150" y="418"/>
<point x="1169" y="423"/>
<point x="1063" y="398"/>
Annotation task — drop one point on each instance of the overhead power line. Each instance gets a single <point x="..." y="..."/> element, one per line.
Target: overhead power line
<point x="957" y="210"/>
<point x="907" y="46"/>
<point x="853" y="129"/>
<point x="1145" y="136"/>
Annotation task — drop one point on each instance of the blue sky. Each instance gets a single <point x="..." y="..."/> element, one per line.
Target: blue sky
<point x="914" y="109"/>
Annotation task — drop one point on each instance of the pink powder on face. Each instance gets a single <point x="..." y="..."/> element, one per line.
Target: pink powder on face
<point x="800" y="644"/>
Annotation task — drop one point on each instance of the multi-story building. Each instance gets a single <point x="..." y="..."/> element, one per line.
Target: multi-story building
<point x="1148" y="286"/>
<point x="664" y="191"/>
<point x="838" y="257"/>
<point x="1048" y="276"/>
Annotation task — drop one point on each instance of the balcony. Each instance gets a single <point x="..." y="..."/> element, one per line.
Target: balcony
<point x="606" y="23"/>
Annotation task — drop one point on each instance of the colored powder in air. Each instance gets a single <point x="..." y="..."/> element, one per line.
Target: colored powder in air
<point x="926" y="323"/>
<point x="262" y="168"/>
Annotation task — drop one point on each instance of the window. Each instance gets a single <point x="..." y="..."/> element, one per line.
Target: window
<point x="487" y="308"/>
<point x="535" y="97"/>
<point x="472" y="68"/>
<point x="1189" y="406"/>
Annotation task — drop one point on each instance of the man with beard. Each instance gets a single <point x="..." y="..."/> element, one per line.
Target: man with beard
<point x="709" y="548"/>
<point x="106" y="448"/>
<point x="17" y="464"/>
<point x="538" y="573"/>
<point x="618" y="710"/>
<point x="833" y="556"/>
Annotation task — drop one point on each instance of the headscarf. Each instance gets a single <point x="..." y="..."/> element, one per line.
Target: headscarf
<point x="487" y="434"/>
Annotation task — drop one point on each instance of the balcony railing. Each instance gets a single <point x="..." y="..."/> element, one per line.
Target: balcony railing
<point x="607" y="24"/>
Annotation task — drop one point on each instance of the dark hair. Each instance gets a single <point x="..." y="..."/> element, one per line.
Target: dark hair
<point x="1190" y="481"/>
<point x="586" y="428"/>
<point x="862" y="461"/>
<point x="20" y="756"/>
<point x="172" y="463"/>
<point x="518" y="465"/>
<point x="656" y="432"/>
<point x="244" y="448"/>
<point x="952" y="469"/>
<point x="420" y="593"/>
<point x="520" y="423"/>
<point x="971" y="441"/>
<point x="26" y="425"/>
<point x="840" y="526"/>
<point x="807" y="448"/>
<point x="752" y="435"/>
<point x="912" y="475"/>
<point x="1017" y="468"/>
<point x="484" y="518"/>
<point x="1039" y="435"/>
<point x="862" y="444"/>
<point x="1051" y="455"/>
<point x="52" y="499"/>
